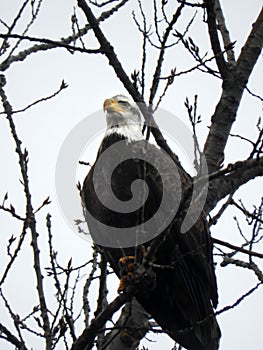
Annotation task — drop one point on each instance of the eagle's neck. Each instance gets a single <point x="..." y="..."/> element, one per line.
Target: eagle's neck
<point x="131" y="131"/>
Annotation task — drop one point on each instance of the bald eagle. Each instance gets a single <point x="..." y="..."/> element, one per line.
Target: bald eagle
<point x="132" y="197"/>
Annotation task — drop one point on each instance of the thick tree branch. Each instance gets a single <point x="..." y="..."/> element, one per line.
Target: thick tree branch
<point x="233" y="87"/>
<point x="242" y="173"/>
<point x="251" y="50"/>
<point x="86" y="339"/>
<point x="246" y="265"/>
<point x="214" y="39"/>
<point x="130" y="328"/>
<point x="224" y="32"/>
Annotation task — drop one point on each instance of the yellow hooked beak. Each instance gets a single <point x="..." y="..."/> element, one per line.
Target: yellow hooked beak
<point x="112" y="105"/>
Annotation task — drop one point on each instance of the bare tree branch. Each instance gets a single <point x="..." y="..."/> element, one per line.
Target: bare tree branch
<point x="246" y="265"/>
<point x="246" y="212"/>
<point x="63" y="86"/>
<point x="85" y="299"/>
<point x="86" y="339"/>
<point x="224" y="32"/>
<point x="217" y="216"/>
<point x="8" y="336"/>
<point x="243" y="172"/>
<point x="51" y="44"/>
<point x="236" y="248"/>
<point x="250" y="51"/>
<point x="34" y="15"/>
<point x="233" y="87"/>
<point x="130" y="328"/>
<point x="239" y="300"/>
<point x="15" y="254"/>
<point x="30" y="217"/>
<point x="65" y="41"/>
<point x="215" y="43"/>
<point x="12" y="26"/>
<point x="157" y="73"/>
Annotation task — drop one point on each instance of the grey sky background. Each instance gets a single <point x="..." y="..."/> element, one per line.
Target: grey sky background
<point x="44" y="128"/>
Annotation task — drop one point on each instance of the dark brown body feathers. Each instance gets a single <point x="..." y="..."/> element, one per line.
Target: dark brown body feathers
<point x="185" y="292"/>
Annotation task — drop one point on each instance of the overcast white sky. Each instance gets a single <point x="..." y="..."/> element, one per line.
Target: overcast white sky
<point x="44" y="128"/>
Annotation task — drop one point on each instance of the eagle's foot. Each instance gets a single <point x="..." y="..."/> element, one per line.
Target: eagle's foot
<point x="126" y="264"/>
<point x="127" y="268"/>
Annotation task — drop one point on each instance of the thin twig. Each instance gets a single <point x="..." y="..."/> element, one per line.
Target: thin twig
<point x="236" y="248"/>
<point x="15" y="254"/>
<point x="63" y="86"/>
<point x="107" y="2"/>
<point x="34" y="17"/>
<point x="12" y="211"/>
<point x="44" y="47"/>
<point x="14" y="317"/>
<point x="51" y="43"/>
<point x="86" y="306"/>
<point x="157" y="73"/>
<point x="187" y="3"/>
<point x="239" y="300"/>
<point x="246" y="212"/>
<point x="12" y="26"/>
<point x="253" y="94"/>
<point x="213" y="220"/>
<point x="193" y="49"/>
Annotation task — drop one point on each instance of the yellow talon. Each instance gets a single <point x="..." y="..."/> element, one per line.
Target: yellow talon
<point x="123" y="284"/>
<point x="125" y="259"/>
<point x="127" y="269"/>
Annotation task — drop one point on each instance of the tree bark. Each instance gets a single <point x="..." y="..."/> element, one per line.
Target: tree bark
<point x="242" y="173"/>
<point x="131" y="327"/>
<point x="233" y="86"/>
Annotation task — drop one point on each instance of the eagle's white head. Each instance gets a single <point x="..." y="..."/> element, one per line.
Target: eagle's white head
<point x="123" y="117"/>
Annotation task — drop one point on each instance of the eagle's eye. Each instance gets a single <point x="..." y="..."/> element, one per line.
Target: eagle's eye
<point x="124" y="103"/>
